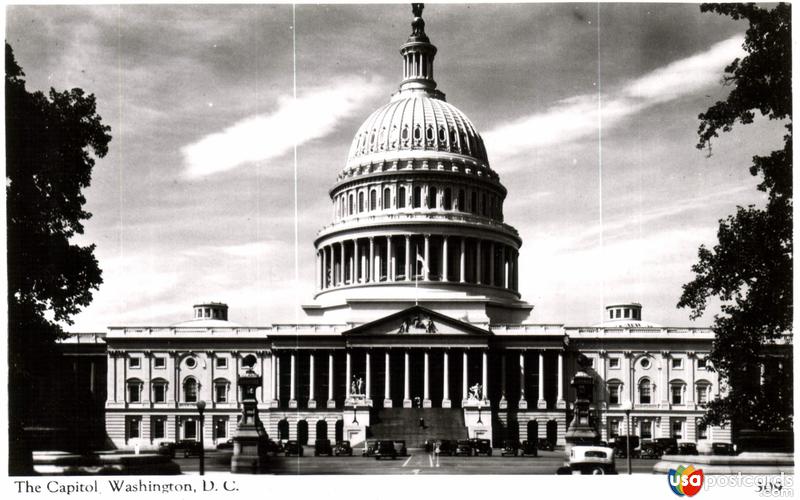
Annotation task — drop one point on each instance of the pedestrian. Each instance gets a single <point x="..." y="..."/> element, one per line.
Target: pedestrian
<point x="422" y="422"/>
<point x="436" y="451"/>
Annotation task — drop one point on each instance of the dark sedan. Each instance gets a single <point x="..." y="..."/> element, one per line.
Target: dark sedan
<point x="293" y="447"/>
<point x="385" y="449"/>
<point x="323" y="447"/>
<point x="510" y="448"/>
<point x="343" y="448"/>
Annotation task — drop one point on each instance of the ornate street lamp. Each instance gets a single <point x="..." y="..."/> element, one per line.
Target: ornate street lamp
<point x="201" y="407"/>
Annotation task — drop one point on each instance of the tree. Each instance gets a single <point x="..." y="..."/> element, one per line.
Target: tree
<point x="750" y="268"/>
<point x="49" y="141"/>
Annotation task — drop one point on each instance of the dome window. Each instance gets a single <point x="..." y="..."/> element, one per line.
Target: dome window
<point x="387" y="198"/>
<point x="417" y="135"/>
<point x="460" y="200"/>
<point x="416" y="200"/>
<point x="429" y="134"/>
<point x="448" y="199"/>
<point x="401" y="197"/>
<point x="453" y="139"/>
<point x="373" y="200"/>
<point x="432" y="197"/>
<point x="404" y="134"/>
<point x="394" y="136"/>
<point x="442" y="135"/>
<point x="360" y="202"/>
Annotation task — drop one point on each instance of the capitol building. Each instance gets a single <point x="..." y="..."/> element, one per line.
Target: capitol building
<point x="416" y="315"/>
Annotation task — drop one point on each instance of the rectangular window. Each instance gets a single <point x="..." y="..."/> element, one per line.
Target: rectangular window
<point x="159" y="362"/>
<point x="613" y="428"/>
<point x="134" y="393"/>
<point x="644" y="394"/>
<point x="702" y="394"/>
<point x="627" y="313"/>
<point x="158" y="427"/>
<point x="677" y="394"/>
<point x="221" y="393"/>
<point x="159" y="393"/>
<point x="222" y="362"/>
<point x="701" y="363"/>
<point x="702" y="430"/>
<point x="220" y="428"/>
<point x="613" y="394"/>
<point x="613" y="362"/>
<point x="618" y="311"/>
<point x="677" y="363"/>
<point x="134" y="427"/>
<point x="677" y="429"/>
<point x="646" y="430"/>
<point x="134" y="362"/>
<point x="190" y="429"/>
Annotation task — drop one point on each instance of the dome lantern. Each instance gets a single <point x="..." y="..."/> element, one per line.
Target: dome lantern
<point x="418" y="54"/>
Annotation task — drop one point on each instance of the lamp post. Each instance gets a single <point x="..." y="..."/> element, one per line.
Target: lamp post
<point x="479" y="411"/>
<point x="201" y="406"/>
<point x="627" y="407"/>
<point x="355" y="420"/>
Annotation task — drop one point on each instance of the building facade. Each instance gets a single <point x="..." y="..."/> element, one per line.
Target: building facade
<point x="417" y="315"/>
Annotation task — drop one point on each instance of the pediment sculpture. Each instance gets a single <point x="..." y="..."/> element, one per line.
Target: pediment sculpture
<point x="417" y="323"/>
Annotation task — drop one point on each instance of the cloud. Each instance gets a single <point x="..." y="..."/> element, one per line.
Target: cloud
<point x="577" y="117"/>
<point x="268" y="136"/>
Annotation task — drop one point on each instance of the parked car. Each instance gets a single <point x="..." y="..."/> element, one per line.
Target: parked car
<point x="448" y="447"/>
<point x="545" y="444"/>
<point x="370" y="446"/>
<point x="481" y="447"/>
<point x="385" y="449"/>
<point x="722" y="449"/>
<point x="621" y="447"/>
<point x="227" y="445"/>
<point x="166" y="448"/>
<point x="530" y="448"/>
<point x="293" y="447"/>
<point x="343" y="448"/>
<point x="669" y="446"/>
<point x="590" y="460"/>
<point x="687" y="449"/>
<point x="510" y="448"/>
<point x="464" y="447"/>
<point x="400" y="448"/>
<point x="187" y="446"/>
<point x="650" y="449"/>
<point x="323" y="447"/>
<point x="273" y="447"/>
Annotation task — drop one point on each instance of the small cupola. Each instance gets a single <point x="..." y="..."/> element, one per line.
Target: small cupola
<point x="211" y="310"/>
<point x="629" y="311"/>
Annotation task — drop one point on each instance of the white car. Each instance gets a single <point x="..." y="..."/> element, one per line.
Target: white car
<point x="590" y="460"/>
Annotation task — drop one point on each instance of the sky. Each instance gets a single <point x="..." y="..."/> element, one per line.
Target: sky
<point x="588" y="113"/>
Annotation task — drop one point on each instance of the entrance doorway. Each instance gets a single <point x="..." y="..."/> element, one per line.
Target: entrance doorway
<point x="190" y="429"/>
<point x="552" y="431"/>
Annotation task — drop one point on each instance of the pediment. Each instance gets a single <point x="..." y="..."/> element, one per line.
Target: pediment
<point x="416" y="321"/>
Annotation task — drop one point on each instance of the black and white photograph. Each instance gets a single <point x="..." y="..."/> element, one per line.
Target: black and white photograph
<point x="441" y="239"/>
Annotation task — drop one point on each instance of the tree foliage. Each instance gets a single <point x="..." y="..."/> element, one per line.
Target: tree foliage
<point x="750" y="268"/>
<point x="51" y="141"/>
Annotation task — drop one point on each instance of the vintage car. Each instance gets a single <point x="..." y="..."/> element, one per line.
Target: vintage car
<point x="448" y="447"/>
<point x="669" y="446"/>
<point x="400" y="448"/>
<point x="650" y="449"/>
<point x="343" y="448"/>
<point x="323" y="447"/>
<point x="385" y="449"/>
<point x="722" y="449"/>
<point x="464" y="447"/>
<point x="687" y="449"/>
<point x="270" y="446"/>
<point x="292" y="447"/>
<point x="481" y="447"/>
<point x="530" y="448"/>
<point x="370" y="446"/>
<point x="188" y="447"/>
<point x="225" y="445"/>
<point x="589" y="460"/>
<point x="623" y="443"/>
<point x="510" y="448"/>
<point x="545" y="444"/>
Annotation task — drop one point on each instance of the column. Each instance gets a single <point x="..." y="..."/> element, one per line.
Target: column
<point x="462" y="265"/>
<point x="367" y="391"/>
<point x="665" y="399"/>
<point x="503" y="402"/>
<point x="347" y="376"/>
<point x="446" y="381"/>
<point x="491" y="263"/>
<point x="690" y="389"/>
<point x="273" y="379"/>
<point x="464" y="393"/>
<point x="541" y="404"/>
<point x="341" y="265"/>
<point x="331" y="402"/>
<point x="560" y="403"/>
<point x="371" y="264"/>
<point x="426" y="400"/>
<point x="444" y="259"/>
<point x="408" y="259"/>
<point x="478" y="262"/>
<point x="387" y="393"/>
<point x="311" y="401"/>
<point x="292" y="400"/>
<point x="317" y="269"/>
<point x="406" y="395"/>
<point x="523" y="404"/>
<point x="627" y="393"/>
<point x="484" y="379"/>
<point x="277" y="379"/>
<point x="356" y="263"/>
<point x="427" y="275"/>
<point x="389" y="273"/>
<point x="506" y="268"/>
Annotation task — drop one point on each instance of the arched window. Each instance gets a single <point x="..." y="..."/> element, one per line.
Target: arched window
<point x="350" y="207"/>
<point x="448" y="199"/>
<point x="401" y="197"/>
<point x="483" y="204"/>
<point x="373" y="200"/>
<point x="221" y="387"/>
<point x="460" y="201"/>
<point x="533" y="431"/>
<point x="432" y="197"/>
<point x="645" y="391"/>
<point x="404" y="133"/>
<point x="417" y="134"/>
<point x="190" y="390"/>
<point x="160" y="387"/>
<point x="442" y="135"/>
<point x="677" y="389"/>
<point x="416" y="199"/>
<point x="614" y="392"/>
<point x="453" y="139"/>
<point x="387" y="198"/>
<point x="360" y="202"/>
<point x="702" y="392"/>
<point x="429" y="133"/>
<point x="283" y="429"/>
<point x="473" y="208"/>
<point x="322" y="429"/>
<point x="134" y="390"/>
<point x="302" y="432"/>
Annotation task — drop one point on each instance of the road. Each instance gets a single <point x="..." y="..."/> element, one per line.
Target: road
<point x="419" y="462"/>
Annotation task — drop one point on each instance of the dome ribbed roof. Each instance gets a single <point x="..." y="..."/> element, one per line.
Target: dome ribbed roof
<point x="415" y="121"/>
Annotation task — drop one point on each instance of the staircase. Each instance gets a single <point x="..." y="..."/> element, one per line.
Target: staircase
<point x="403" y="423"/>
